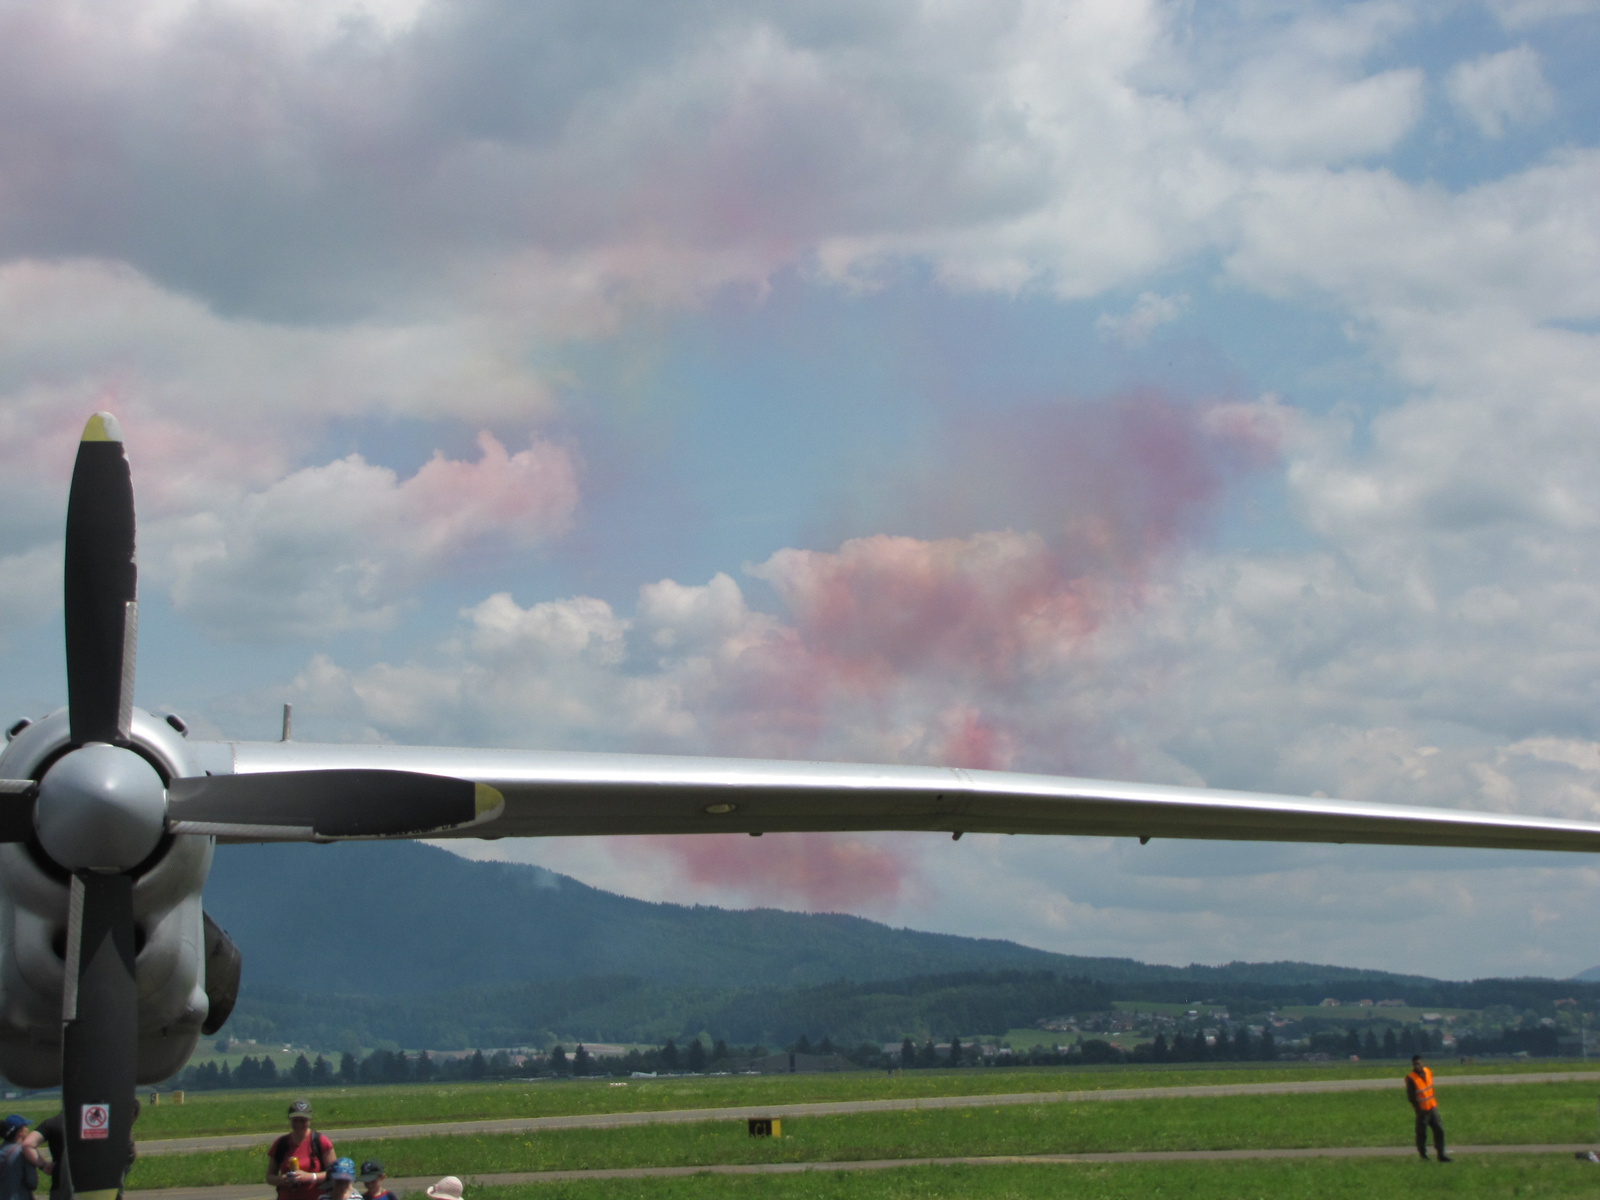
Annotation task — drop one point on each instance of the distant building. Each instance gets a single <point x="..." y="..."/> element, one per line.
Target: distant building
<point x="784" y="1063"/>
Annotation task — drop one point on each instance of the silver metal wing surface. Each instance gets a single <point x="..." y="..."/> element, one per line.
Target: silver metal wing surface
<point x="558" y="794"/>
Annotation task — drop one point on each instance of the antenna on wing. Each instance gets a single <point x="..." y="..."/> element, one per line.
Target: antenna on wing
<point x="288" y="721"/>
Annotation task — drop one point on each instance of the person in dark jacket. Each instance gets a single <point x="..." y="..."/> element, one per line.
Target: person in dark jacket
<point x="52" y="1132"/>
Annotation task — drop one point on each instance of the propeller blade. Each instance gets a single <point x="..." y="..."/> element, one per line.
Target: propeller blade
<point x="101" y="586"/>
<point x="99" y="1036"/>
<point x="328" y="805"/>
<point x="16" y="809"/>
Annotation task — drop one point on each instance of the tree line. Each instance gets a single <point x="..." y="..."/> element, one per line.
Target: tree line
<point x="634" y="1010"/>
<point x="381" y="1066"/>
<point x="629" y="1009"/>
<point x="697" y="1057"/>
<point x="396" y="1066"/>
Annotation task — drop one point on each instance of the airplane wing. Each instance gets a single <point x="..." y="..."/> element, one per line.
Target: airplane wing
<point x="561" y="794"/>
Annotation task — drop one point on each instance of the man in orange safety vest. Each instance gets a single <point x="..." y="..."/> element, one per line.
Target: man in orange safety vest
<point x="1419" y="1090"/>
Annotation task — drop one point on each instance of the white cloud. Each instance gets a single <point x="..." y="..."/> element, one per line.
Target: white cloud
<point x="30" y="590"/>
<point x="1502" y="89"/>
<point x="561" y="167"/>
<point x="78" y="325"/>
<point x="212" y="402"/>
<point x="339" y="547"/>
<point x="1514" y="251"/>
<point x="218" y="411"/>
<point x="1290" y="115"/>
<point x="1149" y="312"/>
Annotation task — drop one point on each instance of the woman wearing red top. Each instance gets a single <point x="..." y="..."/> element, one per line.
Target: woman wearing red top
<point x="297" y="1163"/>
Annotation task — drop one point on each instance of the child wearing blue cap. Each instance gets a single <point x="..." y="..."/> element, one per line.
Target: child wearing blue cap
<point x="19" y="1161"/>
<point x="341" y="1180"/>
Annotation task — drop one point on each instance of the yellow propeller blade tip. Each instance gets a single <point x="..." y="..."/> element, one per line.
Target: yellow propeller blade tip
<point x="102" y="427"/>
<point x="490" y="801"/>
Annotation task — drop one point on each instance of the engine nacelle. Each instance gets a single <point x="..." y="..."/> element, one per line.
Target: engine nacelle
<point x="169" y="926"/>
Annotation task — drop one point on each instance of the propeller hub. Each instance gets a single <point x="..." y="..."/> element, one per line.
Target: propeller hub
<point x="100" y="808"/>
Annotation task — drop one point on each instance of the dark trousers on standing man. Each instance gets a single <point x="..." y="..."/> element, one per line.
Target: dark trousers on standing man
<point x="1426" y="1120"/>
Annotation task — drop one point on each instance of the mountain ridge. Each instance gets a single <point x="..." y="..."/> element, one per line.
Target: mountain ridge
<point x="431" y="949"/>
<point x="420" y="919"/>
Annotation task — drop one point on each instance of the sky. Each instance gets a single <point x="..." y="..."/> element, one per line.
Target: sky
<point x="1200" y="393"/>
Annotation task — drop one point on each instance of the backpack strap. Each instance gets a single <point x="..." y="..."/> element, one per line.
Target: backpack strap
<point x="281" y="1150"/>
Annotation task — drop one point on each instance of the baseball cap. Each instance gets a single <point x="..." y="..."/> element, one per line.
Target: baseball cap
<point x="300" y="1108"/>
<point x="371" y="1170"/>
<point x="343" y="1168"/>
<point x="14" y="1121"/>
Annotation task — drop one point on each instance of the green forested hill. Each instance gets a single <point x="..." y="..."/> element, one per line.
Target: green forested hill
<point x="404" y="917"/>
<point x="411" y="918"/>
<point x="429" y="949"/>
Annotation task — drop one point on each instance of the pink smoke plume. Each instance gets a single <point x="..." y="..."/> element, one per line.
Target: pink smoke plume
<point x="1109" y="485"/>
<point x="524" y="497"/>
<point x="946" y="649"/>
<point x="971" y="740"/>
<point x="1102" y="492"/>
<point x="817" y="872"/>
<point x="881" y="608"/>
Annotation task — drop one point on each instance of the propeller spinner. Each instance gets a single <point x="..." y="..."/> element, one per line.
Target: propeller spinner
<point x="102" y="809"/>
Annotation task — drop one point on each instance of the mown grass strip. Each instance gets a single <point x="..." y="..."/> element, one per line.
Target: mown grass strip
<point x="1509" y="1114"/>
<point x="1535" y="1178"/>
<point x="207" y="1113"/>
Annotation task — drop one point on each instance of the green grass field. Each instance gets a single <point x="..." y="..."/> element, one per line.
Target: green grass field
<point x="262" y="1112"/>
<point x="1503" y="1114"/>
<point x="1517" y="1176"/>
